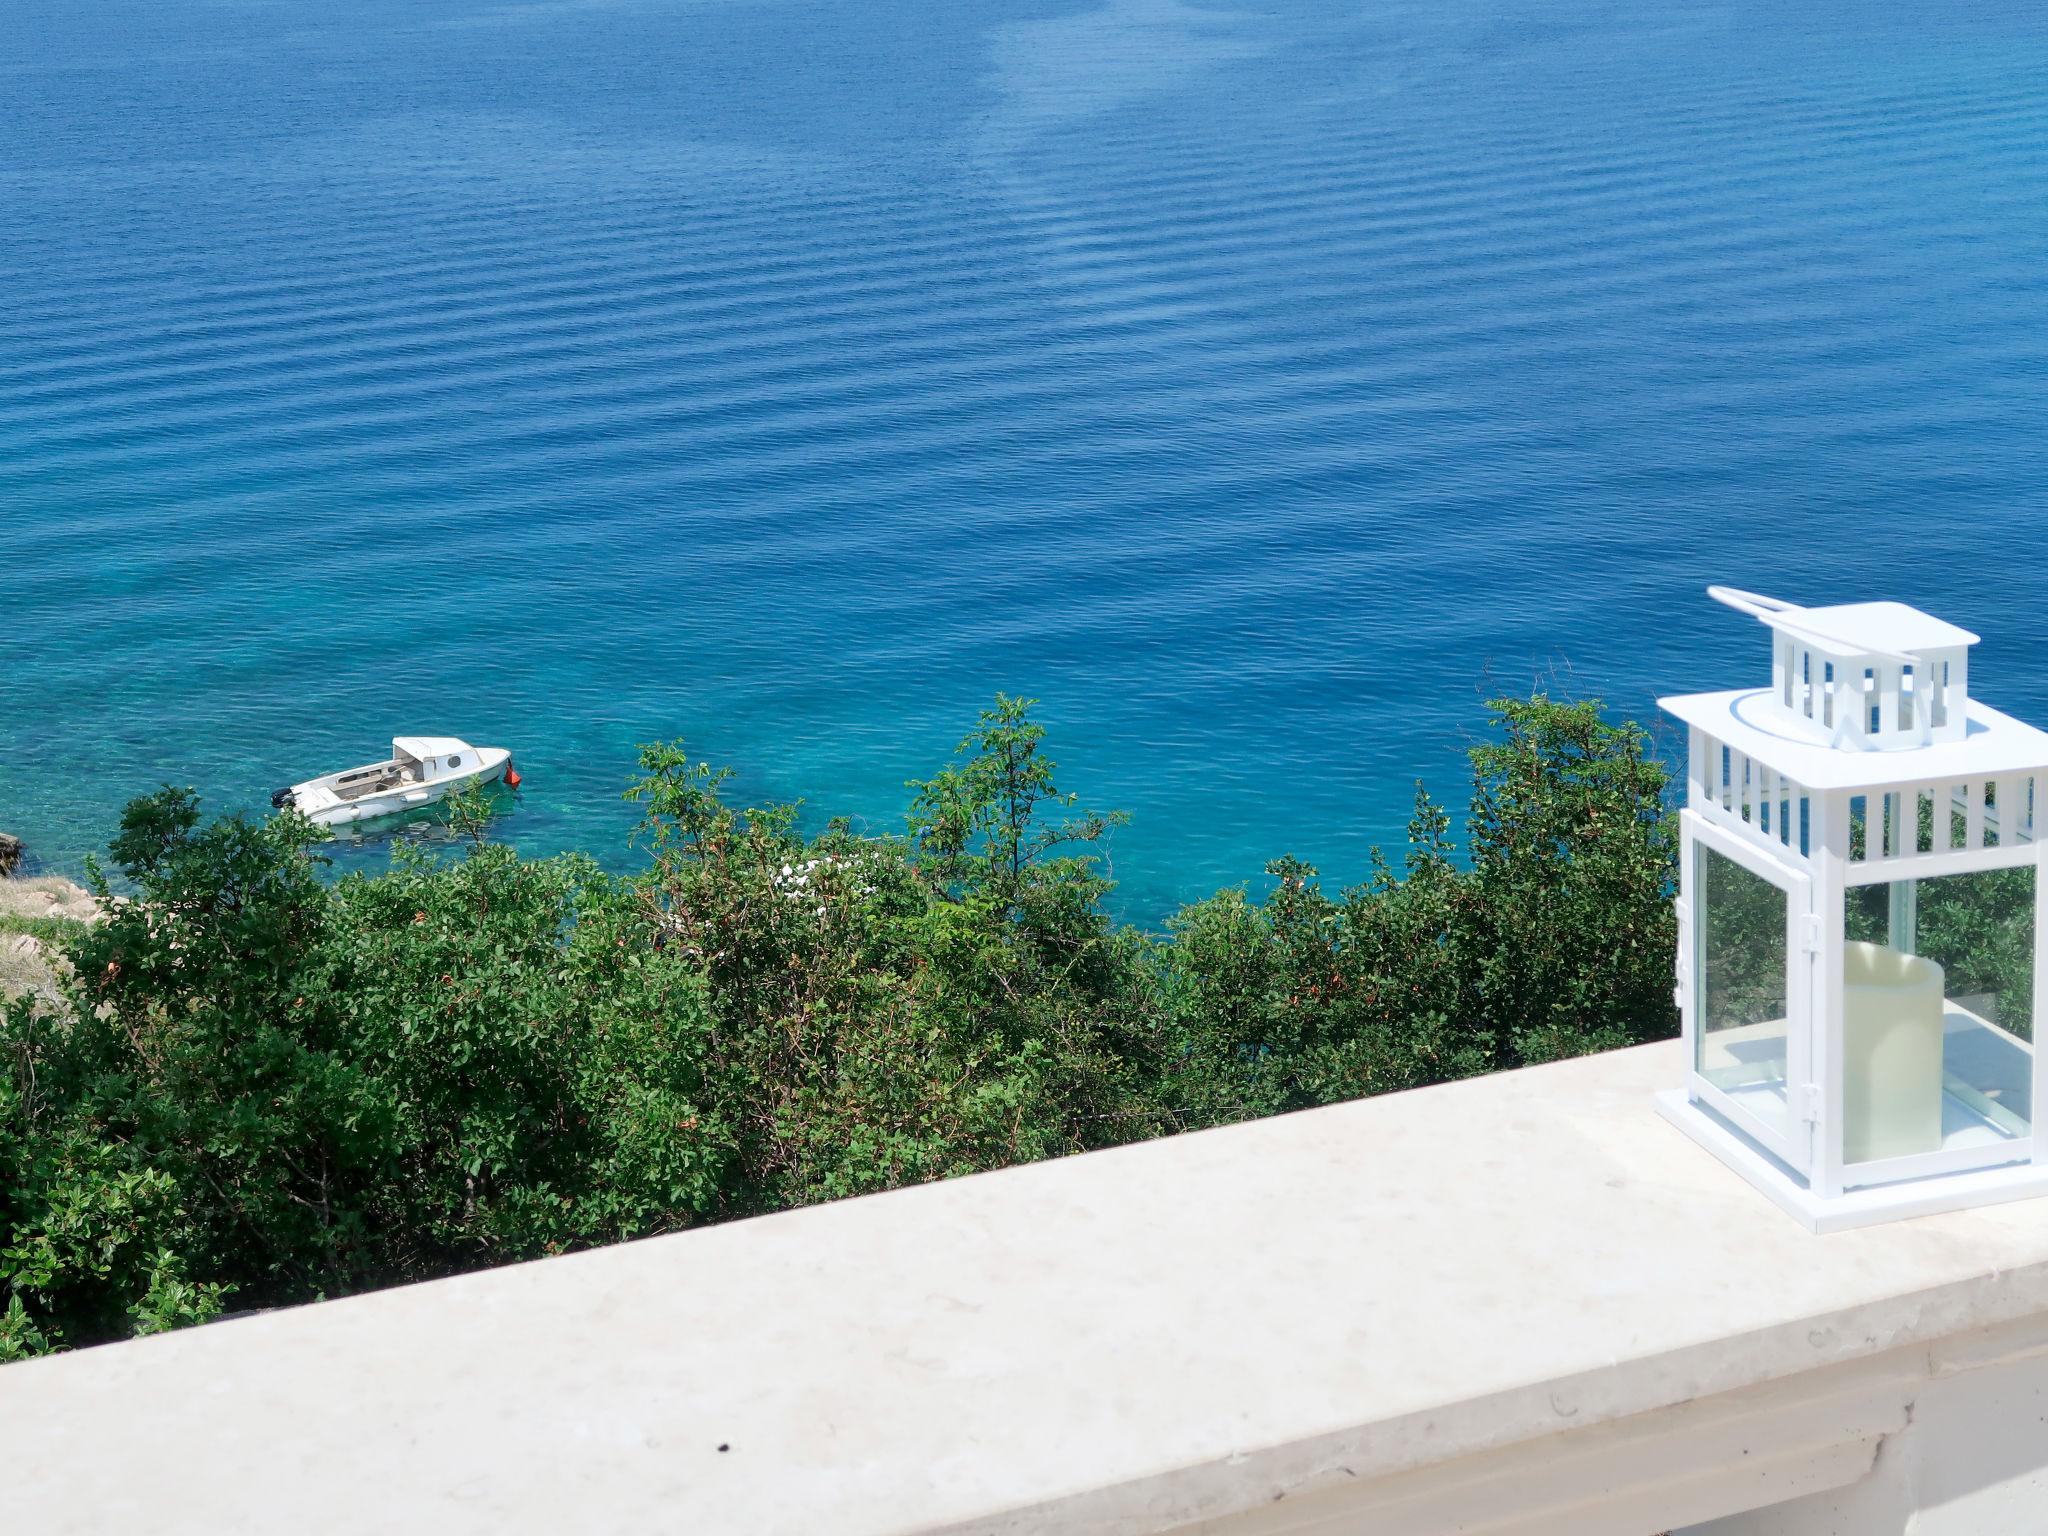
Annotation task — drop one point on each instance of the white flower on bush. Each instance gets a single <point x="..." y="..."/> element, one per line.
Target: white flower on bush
<point x="795" y="880"/>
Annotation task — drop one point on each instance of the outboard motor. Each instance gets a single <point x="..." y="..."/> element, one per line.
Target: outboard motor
<point x="280" y="798"/>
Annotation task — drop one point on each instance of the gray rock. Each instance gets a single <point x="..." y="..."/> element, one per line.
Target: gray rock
<point x="47" y="896"/>
<point x="11" y="852"/>
<point x="27" y="968"/>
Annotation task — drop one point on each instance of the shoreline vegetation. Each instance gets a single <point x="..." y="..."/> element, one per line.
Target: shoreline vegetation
<point x="241" y="1084"/>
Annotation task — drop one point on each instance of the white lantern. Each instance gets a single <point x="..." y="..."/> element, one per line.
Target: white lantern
<point x="1861" y="945"/>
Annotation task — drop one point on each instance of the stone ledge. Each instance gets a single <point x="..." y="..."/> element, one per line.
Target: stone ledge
<point x="1138" y="1340"/>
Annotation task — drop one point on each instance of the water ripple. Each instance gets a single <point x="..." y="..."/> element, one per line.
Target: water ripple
<point x="1258" y="387"/>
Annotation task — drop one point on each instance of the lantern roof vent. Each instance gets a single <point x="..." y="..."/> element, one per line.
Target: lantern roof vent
<point x="1862" y="676"/>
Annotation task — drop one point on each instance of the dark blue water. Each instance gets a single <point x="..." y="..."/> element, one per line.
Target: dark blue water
<point x="1258" y="385"/>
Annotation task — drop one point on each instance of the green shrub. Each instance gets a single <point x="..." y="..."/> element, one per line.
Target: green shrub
<point x="264" y="1087"/>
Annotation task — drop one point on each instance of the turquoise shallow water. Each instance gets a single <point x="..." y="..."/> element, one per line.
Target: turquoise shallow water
<point x="1257" y="385"/>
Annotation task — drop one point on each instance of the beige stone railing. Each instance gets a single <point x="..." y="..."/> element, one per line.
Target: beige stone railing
<point x="1522" y="1303"/>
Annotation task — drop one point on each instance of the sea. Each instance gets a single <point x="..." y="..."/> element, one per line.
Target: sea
<point x="1261" y="385"/>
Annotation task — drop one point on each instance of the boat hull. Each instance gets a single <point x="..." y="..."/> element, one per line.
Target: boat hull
<point x="490" y="767"/>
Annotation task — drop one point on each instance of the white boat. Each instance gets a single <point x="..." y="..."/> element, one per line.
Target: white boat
<point x="420" y="770"/>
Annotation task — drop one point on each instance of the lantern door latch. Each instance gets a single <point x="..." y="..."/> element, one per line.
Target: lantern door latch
<point x="1809" y="1103"/>
<point x="1810" y="933"/>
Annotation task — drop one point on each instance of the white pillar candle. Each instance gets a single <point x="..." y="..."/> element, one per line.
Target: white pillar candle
<point x="1891" y="1053"/>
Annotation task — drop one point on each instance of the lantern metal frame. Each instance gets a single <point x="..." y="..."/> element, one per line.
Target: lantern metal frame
<point x="1861" y="764"/>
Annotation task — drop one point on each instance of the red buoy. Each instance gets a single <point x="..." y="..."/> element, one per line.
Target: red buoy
<point x="511" y="777"/>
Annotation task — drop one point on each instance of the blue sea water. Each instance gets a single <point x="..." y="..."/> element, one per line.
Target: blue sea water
<point x="1260" y="385"/>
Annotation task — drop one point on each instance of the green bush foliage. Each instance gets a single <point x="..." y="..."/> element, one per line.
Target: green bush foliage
<point x="265" y="1086"/>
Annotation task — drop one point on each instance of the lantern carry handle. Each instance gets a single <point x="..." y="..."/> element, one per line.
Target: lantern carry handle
<point x="1755" y="604"/>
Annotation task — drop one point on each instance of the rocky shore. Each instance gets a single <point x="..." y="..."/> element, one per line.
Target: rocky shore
<point x="33" y="915"/>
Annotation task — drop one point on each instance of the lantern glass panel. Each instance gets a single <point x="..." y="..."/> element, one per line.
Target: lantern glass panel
<point x="1937" y="1015"/>
<point x="1743" y="1036"/>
